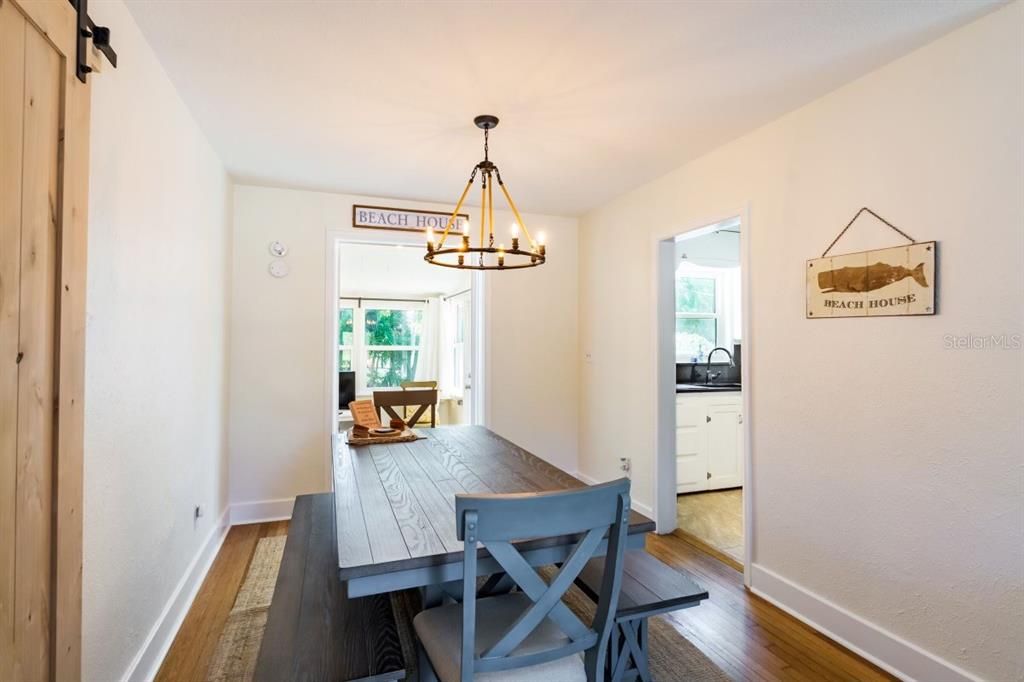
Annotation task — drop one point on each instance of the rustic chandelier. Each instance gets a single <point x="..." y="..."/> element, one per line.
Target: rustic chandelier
<point x="485" y="256"/>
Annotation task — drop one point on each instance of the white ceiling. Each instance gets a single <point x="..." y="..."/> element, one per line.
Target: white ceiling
<point x="594" y="98"/>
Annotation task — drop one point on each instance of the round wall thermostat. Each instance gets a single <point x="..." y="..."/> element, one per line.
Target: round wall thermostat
<point x="278" y="268"/>
<point x="277" y="249"/>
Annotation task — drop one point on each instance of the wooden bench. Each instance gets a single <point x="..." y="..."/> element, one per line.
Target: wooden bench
<point x="649" y="588"/>
<point x="314" y="630"/>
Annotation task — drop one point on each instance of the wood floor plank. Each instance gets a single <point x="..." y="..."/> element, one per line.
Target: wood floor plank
<point x="196" y="641"/>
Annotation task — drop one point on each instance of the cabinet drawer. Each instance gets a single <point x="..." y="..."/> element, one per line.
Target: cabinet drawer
<point x="688" y="441"/>
<point x="690" y="414"/>
<point x="691" y="474"/>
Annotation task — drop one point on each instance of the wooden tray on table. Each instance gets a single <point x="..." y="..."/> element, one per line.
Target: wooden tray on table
<point x="405" y="436"/>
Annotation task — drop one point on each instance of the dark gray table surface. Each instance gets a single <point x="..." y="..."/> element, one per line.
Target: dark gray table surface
<point x="395" y="505"/>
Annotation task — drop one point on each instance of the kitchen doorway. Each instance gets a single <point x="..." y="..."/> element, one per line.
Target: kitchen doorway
<point x="702" y="475"/>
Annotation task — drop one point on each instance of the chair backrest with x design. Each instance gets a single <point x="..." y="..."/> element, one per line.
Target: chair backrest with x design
<point x="599" y="513"/>
<point x="422" y="399"/>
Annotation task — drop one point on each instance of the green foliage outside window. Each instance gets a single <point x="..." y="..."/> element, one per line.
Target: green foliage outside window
<point x="392" y="328"/>
<point x="695" y="295"/>
<point x="346" y="321"/>
<point x="386" y="366"/>
<point x="696" y="324"/>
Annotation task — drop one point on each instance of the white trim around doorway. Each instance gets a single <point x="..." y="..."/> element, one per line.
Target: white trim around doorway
<point x="663" y="352"/>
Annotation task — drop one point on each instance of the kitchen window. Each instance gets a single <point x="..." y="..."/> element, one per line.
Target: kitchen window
<point x="707" y="310"/>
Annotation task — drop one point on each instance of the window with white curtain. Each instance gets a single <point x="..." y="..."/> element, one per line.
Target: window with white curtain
<point x="455" y="345"/>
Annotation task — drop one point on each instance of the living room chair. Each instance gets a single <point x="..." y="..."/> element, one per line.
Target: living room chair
<point x="531" y="633"/>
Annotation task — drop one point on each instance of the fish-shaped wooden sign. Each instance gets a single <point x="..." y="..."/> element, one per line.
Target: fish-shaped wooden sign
<point x="895" y="281"/>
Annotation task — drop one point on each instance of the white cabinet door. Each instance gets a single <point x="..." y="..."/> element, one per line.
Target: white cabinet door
<point x="725" y="447"/>
<point x="691" y="446"/>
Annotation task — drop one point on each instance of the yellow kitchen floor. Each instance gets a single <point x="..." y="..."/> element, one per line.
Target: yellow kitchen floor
<point x="714" y="518"/>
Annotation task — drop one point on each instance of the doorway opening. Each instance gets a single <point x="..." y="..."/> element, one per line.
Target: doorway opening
<point x="402" y="324"/>
<point x="703" y="453"/>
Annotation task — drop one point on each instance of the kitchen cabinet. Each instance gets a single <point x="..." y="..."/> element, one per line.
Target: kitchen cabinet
<point x="709" y="441"/>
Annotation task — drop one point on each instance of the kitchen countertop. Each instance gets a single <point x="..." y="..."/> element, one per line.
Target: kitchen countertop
<point x="707" y="388"/>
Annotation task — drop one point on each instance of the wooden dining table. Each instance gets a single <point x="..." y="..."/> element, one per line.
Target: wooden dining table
<point x="395" y="508"/>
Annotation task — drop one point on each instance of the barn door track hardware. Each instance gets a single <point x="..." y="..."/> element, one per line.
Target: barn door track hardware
<point x="87" y="29"/>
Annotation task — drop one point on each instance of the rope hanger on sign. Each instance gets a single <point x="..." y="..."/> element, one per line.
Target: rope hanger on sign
<point x="854" y="219"/>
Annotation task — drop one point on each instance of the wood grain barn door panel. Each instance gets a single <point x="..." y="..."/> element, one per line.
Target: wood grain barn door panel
<point x="43" y="189"/>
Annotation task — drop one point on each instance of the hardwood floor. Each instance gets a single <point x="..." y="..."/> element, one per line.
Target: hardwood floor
<point x="748" y="638"/>
<point x="196" y="641"/>
<point x="713" y="521"/>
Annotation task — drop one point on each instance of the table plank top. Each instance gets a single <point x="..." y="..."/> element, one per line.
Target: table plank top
<point x="395" y="503"/>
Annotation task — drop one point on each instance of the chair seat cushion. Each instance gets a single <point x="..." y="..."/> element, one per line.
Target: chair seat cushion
<point x="440" y="632"/>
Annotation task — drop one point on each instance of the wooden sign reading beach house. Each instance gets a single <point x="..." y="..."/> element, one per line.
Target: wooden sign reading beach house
<point x="404" y="220"/>
<point x="893" y="281"/>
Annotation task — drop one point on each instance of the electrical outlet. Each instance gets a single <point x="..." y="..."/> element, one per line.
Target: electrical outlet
<point x="626" y="465"/>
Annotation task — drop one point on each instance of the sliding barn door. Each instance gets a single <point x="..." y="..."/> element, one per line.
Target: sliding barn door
<point x="44" y="122"/>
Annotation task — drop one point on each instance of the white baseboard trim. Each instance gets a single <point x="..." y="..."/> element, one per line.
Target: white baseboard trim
<point x="589" y="480"/>
<point x="262" y="511"/>
<point x="643" y="509"/>
<point x="639" y="506"/>
<point x="149" y="657"/>
<point x="883" y="648"/>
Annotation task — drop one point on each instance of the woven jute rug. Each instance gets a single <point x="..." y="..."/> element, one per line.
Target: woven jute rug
<point x="239" y="644"/>
<point x="672" y="657"/>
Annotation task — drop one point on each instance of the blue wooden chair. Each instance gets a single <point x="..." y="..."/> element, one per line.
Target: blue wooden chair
<point x="495" y="638"/>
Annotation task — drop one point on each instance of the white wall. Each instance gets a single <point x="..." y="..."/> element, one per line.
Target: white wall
<point x="155" y="402"/>
<point x="279" y="430"/>
<point x="376" y="270"/>
<point x="887" y="484"/>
